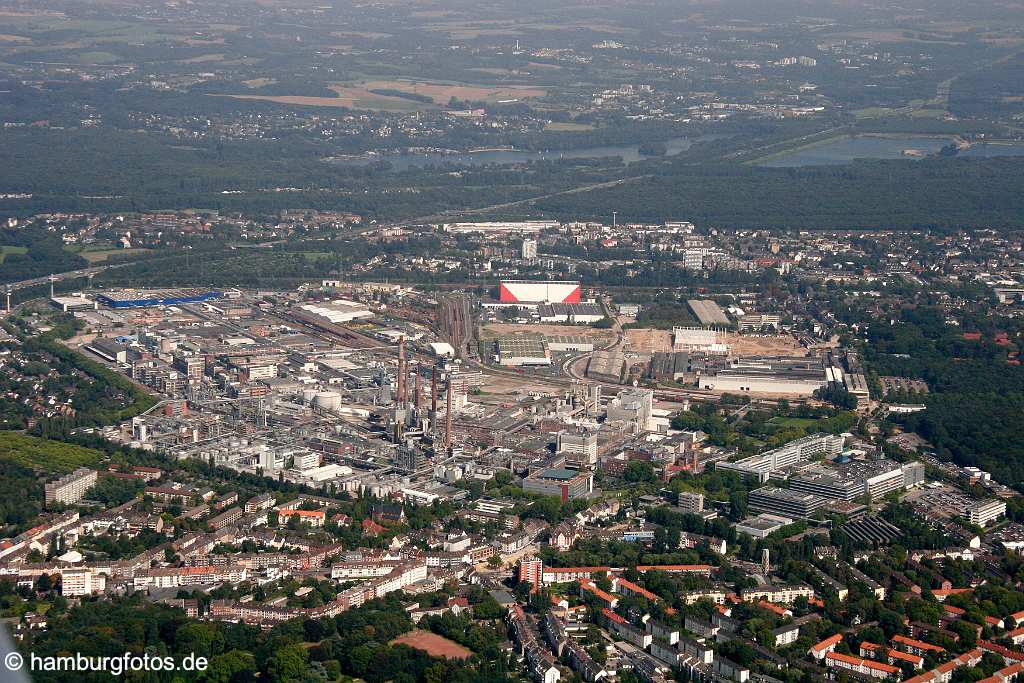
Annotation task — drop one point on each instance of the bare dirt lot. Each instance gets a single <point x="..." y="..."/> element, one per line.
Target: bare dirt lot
<point x="774" y="345"/>
<point x="646" y="340"/>
<point x="433" y="644"/>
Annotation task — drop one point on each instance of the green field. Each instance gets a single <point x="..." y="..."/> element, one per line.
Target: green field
<point x="43" y="454"/>
<point x="5" y="250"/>
<point x="786" y="422"/>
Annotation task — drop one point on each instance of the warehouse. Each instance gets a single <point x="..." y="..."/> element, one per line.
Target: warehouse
<point x="570" y="343"/>
<point x="338" y="311"/>
<point x="530" y="292"/>
<point x="142" y="298"/>
<point x="606" y="366"/>
<point x="708" y="312"/>
<point x="522" y="350"/>
<point x="578" y="314"/>
<point x="74" y="302"/>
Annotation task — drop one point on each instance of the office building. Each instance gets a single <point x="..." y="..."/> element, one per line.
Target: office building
<point x="564" y="483"/>
<point x="760" y="467"/>
<point x="786" y="502"/>
<point x="762" y="525"/>
<point x="853" y="480"/>
<point x="690" y="503"/>
<point x="986" y="511"/>
<point x="529" y="249"/>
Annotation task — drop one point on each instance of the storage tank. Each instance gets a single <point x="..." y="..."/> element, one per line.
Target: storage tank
<point x="327" y="400"/>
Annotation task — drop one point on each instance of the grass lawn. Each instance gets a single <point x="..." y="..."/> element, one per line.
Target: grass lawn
<point x="793" y="421"/>
<point x="52" y="456"/>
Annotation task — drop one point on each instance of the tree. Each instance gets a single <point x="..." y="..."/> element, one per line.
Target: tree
<point x="838" y="396"/>
<point x="203" y="639"/>
<point x="231" y="666"/>
<point x="288" y="664"/>
<point x="639" y="471"/>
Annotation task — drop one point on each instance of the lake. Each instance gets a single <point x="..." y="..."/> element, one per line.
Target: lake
<point x="994" y="149"/>
<point x="627" y="153"/>
<point x="847" y="149"/>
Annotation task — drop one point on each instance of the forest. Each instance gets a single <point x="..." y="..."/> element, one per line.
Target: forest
<point x="355" y="643"/>
<point x="123" y="171"/>
<point x="976" y="396"/>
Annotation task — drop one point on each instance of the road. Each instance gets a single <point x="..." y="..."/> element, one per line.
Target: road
<point x="448" y="215"/>
<point x="69" y="275"/>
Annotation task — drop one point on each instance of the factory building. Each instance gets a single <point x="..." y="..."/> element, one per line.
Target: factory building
<point x="579" y="448"/>
<point x="699" y="340"/>
<point x="635" y="406"/>
<point x="787" y="376"/>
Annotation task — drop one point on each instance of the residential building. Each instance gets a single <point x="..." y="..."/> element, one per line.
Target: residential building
<point x="70" y="488"/>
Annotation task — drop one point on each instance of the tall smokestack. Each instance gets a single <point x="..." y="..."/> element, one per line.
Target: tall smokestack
<point x="416" y="395"/>
<point x="408" y="381"/>
<point x="448" y="419"/>
<point x="433" y="392"/>
<point x="401" y="369"/>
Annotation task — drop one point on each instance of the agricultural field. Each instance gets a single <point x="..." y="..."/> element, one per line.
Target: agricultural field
<point x="369" y="95"/>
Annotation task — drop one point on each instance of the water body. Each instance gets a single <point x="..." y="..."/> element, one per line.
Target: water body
<point x="994" y="149"/>
<point x="845" y="150"/>
<point x="627" y="153"/>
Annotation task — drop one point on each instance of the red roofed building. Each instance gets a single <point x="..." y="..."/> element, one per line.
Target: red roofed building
<point x="612" y="616"/>
<point x="774" y="609"/>
<point x="704" y="569"/>
<point x="588" y="586"/>
<point x="942" y="593"/>
<point x="371" y="528"/>
<point x="865" y="667"/>
<point x="915" y="647"/>
<point x="819" y="650"/>
<point x="621" y="585"/>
